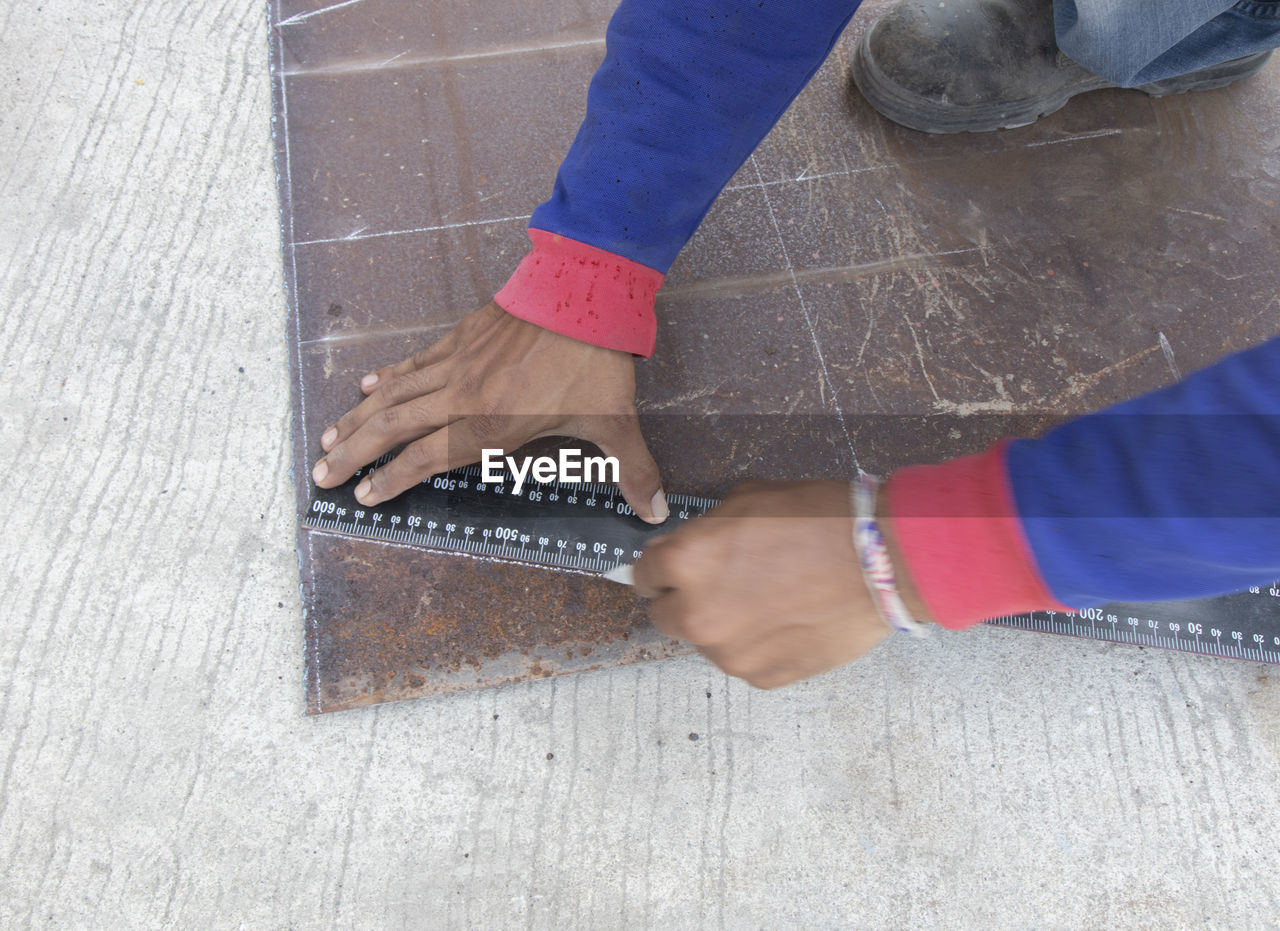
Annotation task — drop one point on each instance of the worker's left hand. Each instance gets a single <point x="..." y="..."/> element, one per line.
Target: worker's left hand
<point x="494" y="382"/>
<point x="767" y="585"/>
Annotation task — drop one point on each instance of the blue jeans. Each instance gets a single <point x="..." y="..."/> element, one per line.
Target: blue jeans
<point x="1132" y="42"/>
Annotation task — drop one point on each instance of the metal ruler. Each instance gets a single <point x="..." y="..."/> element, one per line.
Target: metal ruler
<point x="586" y="527"/>
<point x="590" y="528"/>
<point x="1241" y="626"/>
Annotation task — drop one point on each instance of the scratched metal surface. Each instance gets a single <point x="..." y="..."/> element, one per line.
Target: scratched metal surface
<point x="852" y="269"/>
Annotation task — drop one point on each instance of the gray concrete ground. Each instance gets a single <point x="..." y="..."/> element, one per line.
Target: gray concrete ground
<point x="158" y="771"/>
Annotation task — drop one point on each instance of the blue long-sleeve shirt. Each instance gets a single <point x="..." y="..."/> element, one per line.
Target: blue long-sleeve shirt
<point x="1175" y="494"/>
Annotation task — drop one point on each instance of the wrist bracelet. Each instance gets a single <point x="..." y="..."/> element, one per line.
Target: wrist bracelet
<point x="873" y="556"/>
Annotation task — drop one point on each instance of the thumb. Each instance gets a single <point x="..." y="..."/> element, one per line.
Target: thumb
<point x="638" y="477"/>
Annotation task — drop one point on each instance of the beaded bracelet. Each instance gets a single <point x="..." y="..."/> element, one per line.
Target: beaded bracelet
<point x="873" y="555"/>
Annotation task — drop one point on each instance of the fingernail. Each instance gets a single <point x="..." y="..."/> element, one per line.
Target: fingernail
<point x="659" y="505"/>
<point x="327" y="439"/>
<point x="320" y="471"/>
<point x="362" y="490"/>
<point x="369" y="381"/>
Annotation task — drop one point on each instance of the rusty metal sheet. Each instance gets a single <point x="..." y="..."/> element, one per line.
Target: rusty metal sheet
<point x="852" y="270"/>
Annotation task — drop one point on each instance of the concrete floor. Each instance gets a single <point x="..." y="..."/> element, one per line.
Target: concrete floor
<point x="158" y="771"/>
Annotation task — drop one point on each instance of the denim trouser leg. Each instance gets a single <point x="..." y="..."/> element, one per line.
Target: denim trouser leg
<point x="1132" y="42"/>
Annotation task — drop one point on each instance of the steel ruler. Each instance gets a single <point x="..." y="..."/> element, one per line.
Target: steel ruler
<point x="590" y="528"/>
<point x="586" y="527"/>
<point x="1241" y="626"/>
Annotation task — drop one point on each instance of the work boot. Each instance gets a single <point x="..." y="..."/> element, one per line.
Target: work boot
<point x="949" y="66"/>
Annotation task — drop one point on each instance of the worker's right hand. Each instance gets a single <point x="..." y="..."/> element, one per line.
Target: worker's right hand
<point x="494" y="381"/>
<point x="767" y="585"/>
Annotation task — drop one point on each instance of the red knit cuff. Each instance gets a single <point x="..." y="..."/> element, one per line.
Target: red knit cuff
<point x="584" y="292"/>
<point x="958" y="529"/>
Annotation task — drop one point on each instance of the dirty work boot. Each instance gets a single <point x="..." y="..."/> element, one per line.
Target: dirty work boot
<point x="949" y="66"/>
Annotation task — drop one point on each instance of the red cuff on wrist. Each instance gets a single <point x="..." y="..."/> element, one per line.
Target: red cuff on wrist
<point x="958" y="529"/>
<point x="584" y="292"/>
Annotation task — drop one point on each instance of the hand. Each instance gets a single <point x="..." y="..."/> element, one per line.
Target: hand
<point x="767" y="585"/>
<point x="494" y="381"/>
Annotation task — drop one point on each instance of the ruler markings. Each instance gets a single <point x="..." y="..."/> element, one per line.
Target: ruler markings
<point x="589" y="527"/>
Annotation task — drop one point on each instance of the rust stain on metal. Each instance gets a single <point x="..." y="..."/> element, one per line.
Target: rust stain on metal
<point x="392" y="623"/>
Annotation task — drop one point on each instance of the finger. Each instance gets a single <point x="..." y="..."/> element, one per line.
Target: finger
<point x="436" y="352"/>
<point x="737" y="661"/>
<point x="390" y="391"/>
<point x="399" y="390"/>
<point x="767" y="663"/>
<point x="783" y="657"/>
<point x="382" y="432"/>
<point x="670" y="613"/>
<point x="658" y="568"/>
<point x="447" y="448"/>
<point x="776" y="675"/>
<point x="684" y="614"/>
<point x="462" y="333"/>
<point x="786" y="655"/>
<point x="639" y="480"/>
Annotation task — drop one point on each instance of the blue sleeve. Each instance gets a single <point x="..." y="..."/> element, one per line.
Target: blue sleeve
<point x="1172" y="495"/>
<point x="686" y="91"/>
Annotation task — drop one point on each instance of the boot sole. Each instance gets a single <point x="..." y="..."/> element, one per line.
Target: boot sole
<point x="916" y="113"/>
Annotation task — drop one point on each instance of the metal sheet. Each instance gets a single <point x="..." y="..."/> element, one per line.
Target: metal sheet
<point x="852" y="269"/>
